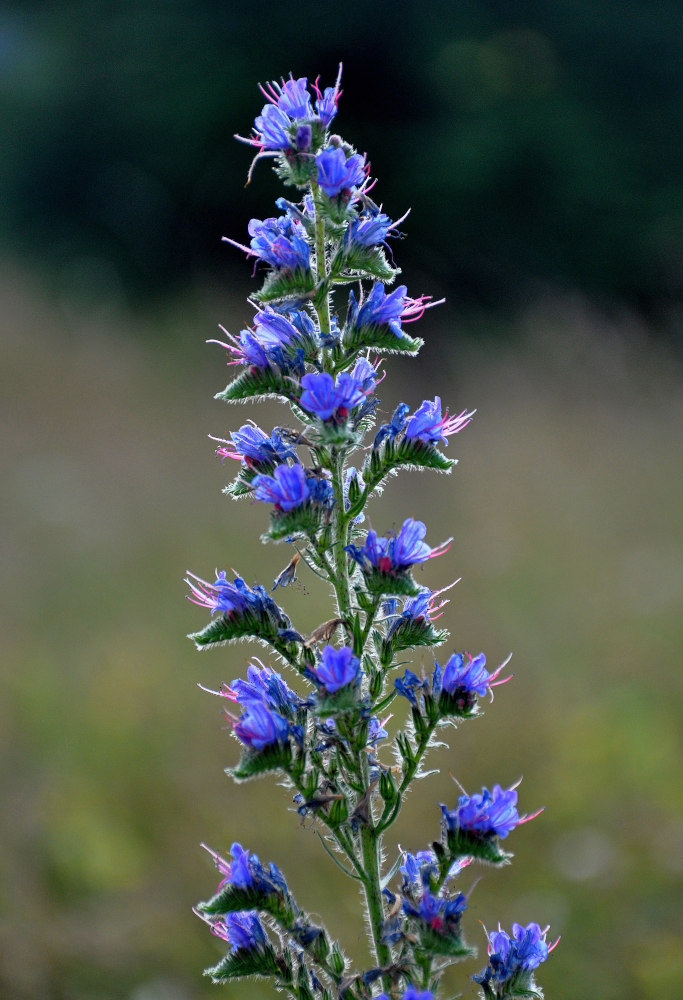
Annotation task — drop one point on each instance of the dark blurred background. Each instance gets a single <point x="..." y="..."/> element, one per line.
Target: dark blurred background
<point x="538" y="145"/>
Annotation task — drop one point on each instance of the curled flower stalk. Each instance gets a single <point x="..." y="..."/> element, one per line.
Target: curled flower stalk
<point x="322" y="730"/>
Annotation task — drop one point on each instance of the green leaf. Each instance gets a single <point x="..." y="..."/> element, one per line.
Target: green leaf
<point x="362" y="262"/>
<point x="304" y="521"/>
<point x="461" y="843"/>
<point x="445" y="944"/>
<point x="281" y="284"/>
<point x="390" y="456"/>
<point x="252" y="763"/>
<point x="245" y="962"/>
<point x="257" y="382"/>
<point x="232" y="898"/>
<point x="382" y="337"/>
<point x="410" y="633"/>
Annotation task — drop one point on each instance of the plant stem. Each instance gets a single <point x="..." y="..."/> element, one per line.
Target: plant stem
<point x="322" y="309"/>
<point x="373" y="898"/>
<point x="341" y="523"/>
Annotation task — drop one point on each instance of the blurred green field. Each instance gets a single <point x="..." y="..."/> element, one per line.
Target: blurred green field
<point x="566" y="513"/>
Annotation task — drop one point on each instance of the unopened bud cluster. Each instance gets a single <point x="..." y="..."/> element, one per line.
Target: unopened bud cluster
<point x="326" y="736"/>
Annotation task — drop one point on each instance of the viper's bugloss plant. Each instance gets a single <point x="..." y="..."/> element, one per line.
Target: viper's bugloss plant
<point x="326" y="739"/>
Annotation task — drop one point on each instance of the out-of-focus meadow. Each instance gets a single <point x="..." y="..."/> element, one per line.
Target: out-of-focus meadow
<point x="565" y="510"/>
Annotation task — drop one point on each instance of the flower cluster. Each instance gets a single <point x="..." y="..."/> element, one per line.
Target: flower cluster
<point x="327" y="736"/>
<point x="512" y="960"/>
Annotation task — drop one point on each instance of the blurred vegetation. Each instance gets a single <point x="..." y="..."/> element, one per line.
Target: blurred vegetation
<point x="535" y="143"/>
<point x="566" y="516"/>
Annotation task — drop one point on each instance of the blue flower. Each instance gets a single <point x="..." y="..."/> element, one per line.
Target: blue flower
<point x="327" y="398"/>
<point x="409" y="685"/>
<point x="411" y="993"/>
<point x="245" y="871"/>
<point x="275" y="330"/>
<point x="428" y="425"/>
<point x="258" y="727"/>
<point x="287" y="488"/>
<point x="337" y="668"/>
<point x="218" y="596"/>
<point x="242" y="930"/>
<point x="397" y="553"/>
<point x="468" y="676"/>
<point x="270" y="129"/>
<point x="280" y="242"/>
<point x="304" y="137"/>
<point x="378" y="308"/>
<point x="394" y="427"/>
<point x="294" y="98"/>
<point x="417" y="868"/>
<point x="274" y="340"/>
<point x="253" y="447"/>
<point x="376" y="731"/>
<point x="488" y="814"/>
<point x="267" y="687"/>
<point x="407" y="547"/>
<point x="290" y="105"/>
<point x="326" y="105"/>
<point x="336" y="173"/>
<point x="439" y="914"/>
<point x="366" y="231"/>
<point x="510" y="955"/>
<point x="322" y="491"/>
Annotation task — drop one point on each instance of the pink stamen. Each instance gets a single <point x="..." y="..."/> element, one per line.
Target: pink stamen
<point x="452" y="425"/>
<point x="552" y="946"/>
<point x="240" y="246"/>
<point x="415" y="308"/>
<point x="440" y="549"/>
<point x="527" y="819"/>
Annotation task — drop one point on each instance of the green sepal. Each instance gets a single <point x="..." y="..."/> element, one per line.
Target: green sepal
<point x="382" y="337"/>
<point x="244" y="625"/>
<point x="357" y="635"/>
<point x="365" y="602"/>
<point x="337" y="961"/>
<point x="407" y="454"/>
<point x="286" y="284"/>
<point x="304" y="520"/>
<point x="245" y="962"/>
<point x="521" y="985"/>
<point x="252" y="763"/>
<point x="338" y="702"/>
<point x="362" y="262"/>
<point x="337" y="209"/>
<point x="408" y="634"/>
<point x="461" y="844"/>
<point x="330" y="433"/>
<point x="303" y="983"/>
<point x="387" y="787"/>
<point x="406" y="750"/>
<point x="421" y="455"/>
<point x="399" y="583"/>
<point x="241" y="487"/>
<point x="257" y="382"/>
<point x="299" y="168"/>
<point x="375" y="680"/>
<point x="232" y="899"/>
<point x="338" y="812"/>
<point x="445" y="944"/>
<point x="463" y="705"/>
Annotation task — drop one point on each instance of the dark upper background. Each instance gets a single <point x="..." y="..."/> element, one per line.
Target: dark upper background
<point x="538" y="145"/>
